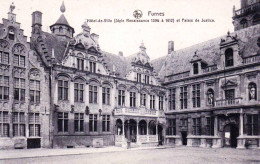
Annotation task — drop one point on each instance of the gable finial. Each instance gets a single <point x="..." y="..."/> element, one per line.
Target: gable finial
<point x="12" y="7"/>
<point x="62" y="7"/>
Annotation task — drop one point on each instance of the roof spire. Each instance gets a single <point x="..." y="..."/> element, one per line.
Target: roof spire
<point x="62" y="7"/>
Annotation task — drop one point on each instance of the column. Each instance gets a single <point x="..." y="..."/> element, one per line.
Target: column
<point x="137" y="132"/>
<point x="100" y="97"/>
<point x="55" y="95"/>
<point x="123" y="129"/>
<point x="216" y="126"/>
<point x="216" y="140"/>
<point x="241" y="140"/>
<point x="241" y="123"/>
<point x="71" y="92"/>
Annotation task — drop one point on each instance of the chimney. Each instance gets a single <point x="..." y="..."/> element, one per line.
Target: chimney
<point x="170" y="47"/>
<point x="120" y="53"/>
<point x="36" y="22"/>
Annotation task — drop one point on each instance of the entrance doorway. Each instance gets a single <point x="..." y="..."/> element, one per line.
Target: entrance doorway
<point x="231" y="132"/>
<point x="160" y="135"/>
<point x="184" y="138"/>
<point x="131" y="130"/>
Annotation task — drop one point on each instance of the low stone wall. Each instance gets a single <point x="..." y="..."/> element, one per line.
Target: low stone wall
<point x="83" y="141"/>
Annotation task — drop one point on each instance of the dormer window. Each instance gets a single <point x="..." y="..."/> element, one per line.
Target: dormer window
<point x="80" y="64"/>
<point x="195" y="68"/>
<point x="229" y="58"/>
<point x="146" y="79"/>
<point x="92" y="66"/>
<point x="138" y="77"/>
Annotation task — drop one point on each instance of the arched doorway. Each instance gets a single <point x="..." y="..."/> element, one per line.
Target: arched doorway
<point x="131" y="130"/>
<point x="152" y="127"/>
<point x="119" y="127"/>
<point x="142" y="127"/>
<point x="230" y="134"/>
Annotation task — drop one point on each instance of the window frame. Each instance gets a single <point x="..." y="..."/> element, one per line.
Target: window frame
<point x="93" y="118"/>
<point x="64" y="122"/>
<point x="121" y="97"/>
<point x="93" y="94"/>
<point x="34" y="124"/>
<point x="20" y="123"/>
<point x="78" y="122"/>
<point x="132" y="99"/>
<point x="106" y="123"/>
<point x="5" y="124"/>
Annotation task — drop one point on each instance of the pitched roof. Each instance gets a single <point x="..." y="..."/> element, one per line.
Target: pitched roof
<point x="59" y="46"/>
<point x="62" y="20"/>
<point x="209" y="51"/>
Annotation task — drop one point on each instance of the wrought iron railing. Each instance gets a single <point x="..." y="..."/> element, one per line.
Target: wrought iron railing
<point x="247" y="10"/>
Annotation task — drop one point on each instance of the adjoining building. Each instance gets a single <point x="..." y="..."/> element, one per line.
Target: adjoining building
<point x="68" y="92"/>
<point x="213" y="90"/>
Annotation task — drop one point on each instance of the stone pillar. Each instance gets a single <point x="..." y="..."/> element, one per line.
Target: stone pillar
<point x="100" y="103"/>
<point x="123" y="129"/>
<point x="241" y="140"/>
<point x="71" y="93"/>
<point x="55" y="97"/>
<point x="216" y="126"/>
<point x="147" y="130"/>
<point x="216" y="140"/>
<point x="137" y="132"/>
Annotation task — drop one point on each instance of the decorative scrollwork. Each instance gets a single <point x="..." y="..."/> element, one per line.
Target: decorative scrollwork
<point x="4" y="44"/>
<point x="19" y="49"/>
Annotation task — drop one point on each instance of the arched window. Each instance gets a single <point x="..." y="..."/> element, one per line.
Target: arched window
<point x="210" y="95"/>
<point x="79" y="90"/>
<point x="11" y="33"/>
<point x="92" y="64"/>
<point x="142" y="127"/>
<point x="229" y="58"/>
<point x="195" y="68"/>
<point x="252" y="91"/>
<point x="256" y="19"/>
<point x="60" y="29"/>
<point x="63" y="88"/>
<point x="244" y="23"/>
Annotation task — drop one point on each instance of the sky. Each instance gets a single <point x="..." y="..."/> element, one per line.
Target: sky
<point x="127" y="37"/>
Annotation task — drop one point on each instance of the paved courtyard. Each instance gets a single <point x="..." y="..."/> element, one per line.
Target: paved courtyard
<point x="185" y="155"/>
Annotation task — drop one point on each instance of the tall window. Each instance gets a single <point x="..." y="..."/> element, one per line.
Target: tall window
<point x="4" y="57"/>
<point x="93" y="122"/>
<point x="106" y="95"/>
<point x="4" y="124"/>
<point x="146" y="79"/>
<point x="92" y="66"/>
<point x="19" y="89"/>
<point x="132" y="99"/>
<point x="195" y="68"/>
<point x="121" y="97"/>
<point x="18" y="124"/>
<point x="196" y="126"/>
<point x="210" y="126"/>
<point x="184" y="97"/>
<point x="229" y="57"/>
<point x="4" y="87"/>
<point x="252" y="125"/>
<point x="139" y="77"/>
<point x="152" y="101"/>
<point x="160" y="102"/>
<point x="143" y="99"/>
<point x="93" y="94"/>
<point x="34" y="124"/>
<point x="63" y="119"/>
<point x="230" y="94"/>
<point x="172" y="99"/>
<point x="78" y="122"/>
<point x="252" y="91"/>
<point x="35" y="91"/>
<point x="78" y="92"/>
<point x="19" y="60"/>
<point x="63" y="88"/>
<point x="106" y="123"/>
<point x="196" y="95"/>
<point x="171" y="130"/>
<point x="80" y="64"/>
